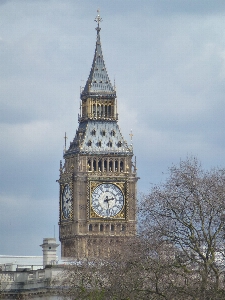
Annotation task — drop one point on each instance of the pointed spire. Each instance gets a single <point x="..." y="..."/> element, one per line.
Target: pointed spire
<point x="98" y="81"/>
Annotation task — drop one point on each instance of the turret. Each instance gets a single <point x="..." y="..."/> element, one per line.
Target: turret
<point x="49" y="251"/>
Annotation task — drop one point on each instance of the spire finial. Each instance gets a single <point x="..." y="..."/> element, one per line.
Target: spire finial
<point x="65" y="138"/>
<point x="131" y="136"/>
<point x="98" y="19"/>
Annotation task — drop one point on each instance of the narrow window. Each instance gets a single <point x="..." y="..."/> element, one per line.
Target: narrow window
<point x="90" y="227"/>
<point x="98" y="109"/>
<point x="100" y="166"/>
<point x="101" y="227"/>
<point x="109" y="109"/>
<point x="116" y="165"/>
<point x="121" y="166"/>
<point x="112" y="227"/>
<point x="105" y="165"/>
<point x="89" y="165"/>
<point x="94" y="165"/>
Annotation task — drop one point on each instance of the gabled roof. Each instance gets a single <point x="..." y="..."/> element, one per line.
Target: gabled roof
<point x="98" y="81"/>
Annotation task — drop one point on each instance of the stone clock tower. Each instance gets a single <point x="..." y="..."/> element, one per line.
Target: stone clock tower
<point x="97" y="203"/>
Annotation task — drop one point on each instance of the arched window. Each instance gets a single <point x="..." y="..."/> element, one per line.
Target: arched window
<point x="89" y="143"/>
<point x="112" y="227"/>
<point x="119" y="144"/>
<point x="90" y="227"/>
<point x="109" y="111"/>
<point x="101" y="227"/>
<point x="110" y="166"/>
<point x="121" y="166"/>
<point x="89" y="165"/>
<point x="94" y="165"/>
<point x="99" y="165"/>
<point x="93" y="132"/>
<point x="98" y="109"/>
<point x="105" y="165"/>
<point x="116" y="165"/>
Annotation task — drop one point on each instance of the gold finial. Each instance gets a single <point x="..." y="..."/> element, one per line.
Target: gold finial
<point x="98" y="19"/>
<point x="65" y="137"/>
<point x="131" y="136"/>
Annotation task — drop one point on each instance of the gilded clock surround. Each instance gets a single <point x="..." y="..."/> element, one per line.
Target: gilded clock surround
<point x="92" y="215"/>
<point x="98" y="155"/>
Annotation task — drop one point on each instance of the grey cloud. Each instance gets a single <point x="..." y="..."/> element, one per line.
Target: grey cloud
<point x="168" y="60"/>
<point x="188" y="7"/>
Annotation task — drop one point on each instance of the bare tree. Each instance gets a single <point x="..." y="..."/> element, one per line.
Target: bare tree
<point x="82" y="279"/>
<point x="178" y="253"/>
<point x="187" y="212"/>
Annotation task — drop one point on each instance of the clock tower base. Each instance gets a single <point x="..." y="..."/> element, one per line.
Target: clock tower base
<point x="82" y="247"/>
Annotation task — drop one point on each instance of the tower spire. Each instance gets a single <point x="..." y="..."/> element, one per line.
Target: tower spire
<point x="98" y="82"/>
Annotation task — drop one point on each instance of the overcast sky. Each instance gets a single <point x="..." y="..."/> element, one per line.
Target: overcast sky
<point x="168" y="61"/>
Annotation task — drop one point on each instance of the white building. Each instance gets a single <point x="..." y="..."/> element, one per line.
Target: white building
<point x="30" y="275"/>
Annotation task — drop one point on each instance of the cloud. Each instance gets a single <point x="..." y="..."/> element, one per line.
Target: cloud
<point x="188" y="7"/>
<point x="168" y="59"/>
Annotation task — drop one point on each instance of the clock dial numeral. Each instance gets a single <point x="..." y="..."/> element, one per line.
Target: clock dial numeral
<point x="107" y="200"/>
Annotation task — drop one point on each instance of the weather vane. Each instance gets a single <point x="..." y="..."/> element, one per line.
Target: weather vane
<point x="98" y="19"/>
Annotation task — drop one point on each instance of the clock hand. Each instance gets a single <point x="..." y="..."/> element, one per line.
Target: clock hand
<point x="111" y="199"/>
<point x="108" y="199"/>
<point x="108" y="209"/>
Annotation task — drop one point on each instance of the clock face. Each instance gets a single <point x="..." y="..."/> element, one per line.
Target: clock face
<point x="66" y="201"/>
<point x="107" y="200"/>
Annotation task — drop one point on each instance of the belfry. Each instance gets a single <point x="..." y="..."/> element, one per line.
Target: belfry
<point x="97" y="202"/>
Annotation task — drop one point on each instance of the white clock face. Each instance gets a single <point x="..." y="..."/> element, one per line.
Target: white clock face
<point x="66" y="202"/>
<point x="107" y="200"/>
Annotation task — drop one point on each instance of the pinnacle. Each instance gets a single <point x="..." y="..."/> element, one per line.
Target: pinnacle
<point x="98" y="81"/>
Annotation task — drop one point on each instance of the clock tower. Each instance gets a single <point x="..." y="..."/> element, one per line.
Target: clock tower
<point x="97" y="203"/>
